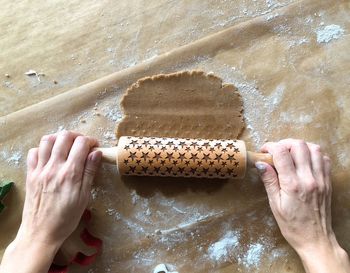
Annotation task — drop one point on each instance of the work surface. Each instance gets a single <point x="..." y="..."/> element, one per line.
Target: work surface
<point x="289" y="59"/>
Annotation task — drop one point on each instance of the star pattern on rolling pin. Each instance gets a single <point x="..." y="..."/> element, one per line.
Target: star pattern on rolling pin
<point x="181" y="157"/>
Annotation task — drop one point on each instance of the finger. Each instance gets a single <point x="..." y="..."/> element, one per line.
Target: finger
<point x="80" y="150"/>
<point x="270" y="179"/>
<point x="328" y="184"/>
<point x="63" y="145"/>
<point x="316" y="161"/>
<point x="327" y="171"/>
<point x="300" y="153"/>
<point x="92" y="164"/>
<point x="45" y="149"/>
<point x="282" y="158"/>
<point x="32" y="159"/>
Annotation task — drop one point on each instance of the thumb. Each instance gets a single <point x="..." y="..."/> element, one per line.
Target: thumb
<point x="270" y="179"/>
<point x="91" y="166"/>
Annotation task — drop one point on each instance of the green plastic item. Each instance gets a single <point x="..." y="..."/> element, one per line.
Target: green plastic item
<point x="5" y="187"/>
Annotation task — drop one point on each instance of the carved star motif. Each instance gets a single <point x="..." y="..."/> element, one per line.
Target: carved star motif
<point x="218" y="157"/>
<point x="194" y="144"/>
<point x="193" y="170"/>
<point x="182" y="144"/>
<point x="150" y="162"/>
<point x="163" y="148"/>
<point x="217" y="170"/>
<point x="175" y="148"/>
<point x="223" y="163"/>
<point x="157" y="169"/>
<point x="206" y="145"/>
<point x="236" y="150"/>
<point x="187" y="149"/>
<point x="158" y="143"/>
<point x="236" y="164"/>
<point x="151" y="148"/>
<point x="224" y="150"/>
<point x="174" y="162"/>
<point x="206" y="157"/>
<point x="181" y="156"/>
<point x="230" y="157"/>
<point x="187" y="162"/>
<point x="126" y="161"/>
<point x="169" y="156"/>
<point x="212" y="149"/>
<point x="230" y="145"/>
<point x="138" y="161"/>
<point x="205" y="170"/>
<point x="199" y="163"/>
<point x="181" y="169"/>
<point x="146" y="143"/>
<point x="144" y="169"/>
<point x="194" y="157"/>
<point x="139" y="147"/>
<point x="162" y="162"/>
<point x="199" y="149"/>
<point x="170" y="143"/>
<point x="211" y="163"/>
<point x="218" y="145"/>
<point x="157" y="156"/>
<point x="133" y="143"/>
<point x="229" y="171"/>
<point x="127" y="147"/>
<point x="169" y="169"/>
<point x="132" y="155"/>
<point x="145" y="155"/>
<point x="132" y="168"/>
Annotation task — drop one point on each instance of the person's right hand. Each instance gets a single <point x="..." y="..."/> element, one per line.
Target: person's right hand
<point x="299" y="191"/>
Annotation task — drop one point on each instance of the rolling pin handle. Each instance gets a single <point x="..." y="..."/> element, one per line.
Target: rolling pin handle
<point x="109" y="155"/>
<point x="252" y="158"/>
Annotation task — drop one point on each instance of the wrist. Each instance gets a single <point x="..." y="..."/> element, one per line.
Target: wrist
<point x="323" y="256"/>
<point x="26" y="255"/>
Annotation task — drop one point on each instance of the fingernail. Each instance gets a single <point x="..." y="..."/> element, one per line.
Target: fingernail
<point x="261" y="167"/>
<point x="96" y="157"/>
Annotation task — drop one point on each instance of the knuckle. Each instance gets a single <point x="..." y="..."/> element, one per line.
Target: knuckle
<point x="72" y="173"/>
<point x="83" y="141"/>
<point x="327" y="159"/>
<point x="294" y="188"/>
<point x="315" y="148"/>
<point x="322" y="188"/>
<point x="65" y="134"/>
<point x="32" y="151"/>
<point x="312" y="185"/>
<point x="47" y="138"/>
<point x="300" y="143"/>
<point x="89" y="171"/>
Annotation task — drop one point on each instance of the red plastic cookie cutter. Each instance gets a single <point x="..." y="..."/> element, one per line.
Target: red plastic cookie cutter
<point x="80" y="258"/>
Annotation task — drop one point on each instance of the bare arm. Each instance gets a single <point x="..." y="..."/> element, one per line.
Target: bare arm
<point x="59" y="177"/>
<point x="299" y="193"/>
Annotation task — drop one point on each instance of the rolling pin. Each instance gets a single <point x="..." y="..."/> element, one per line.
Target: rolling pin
<point x="178" y="157"/>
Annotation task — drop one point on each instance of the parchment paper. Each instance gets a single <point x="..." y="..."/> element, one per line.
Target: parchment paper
<point x="293" y="81"/>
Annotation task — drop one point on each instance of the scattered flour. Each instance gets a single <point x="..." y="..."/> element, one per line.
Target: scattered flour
<point x="253" y="256"/>
<point x="13" y="157"/>
<point x="220" y="250"/>
<point x="301" y="119"/>
<point x="329" y="33"/>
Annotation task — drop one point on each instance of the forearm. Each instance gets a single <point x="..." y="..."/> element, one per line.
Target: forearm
<point x="325" y="258"/>
<point x="27" y="256"/>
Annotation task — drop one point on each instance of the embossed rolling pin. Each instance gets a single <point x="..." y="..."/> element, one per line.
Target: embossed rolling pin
<point x="152" y="156"/>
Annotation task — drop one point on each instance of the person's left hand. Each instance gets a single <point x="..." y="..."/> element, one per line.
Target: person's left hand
<point x="59" y="177"/>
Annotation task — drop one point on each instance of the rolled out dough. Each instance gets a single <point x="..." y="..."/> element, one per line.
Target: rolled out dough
<point x="188" y="104"/>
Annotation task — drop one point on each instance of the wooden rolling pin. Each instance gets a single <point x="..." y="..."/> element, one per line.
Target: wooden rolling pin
<point x="152" y="156"/>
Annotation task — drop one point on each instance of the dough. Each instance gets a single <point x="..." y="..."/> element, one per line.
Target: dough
<point x="189" y="104"/>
